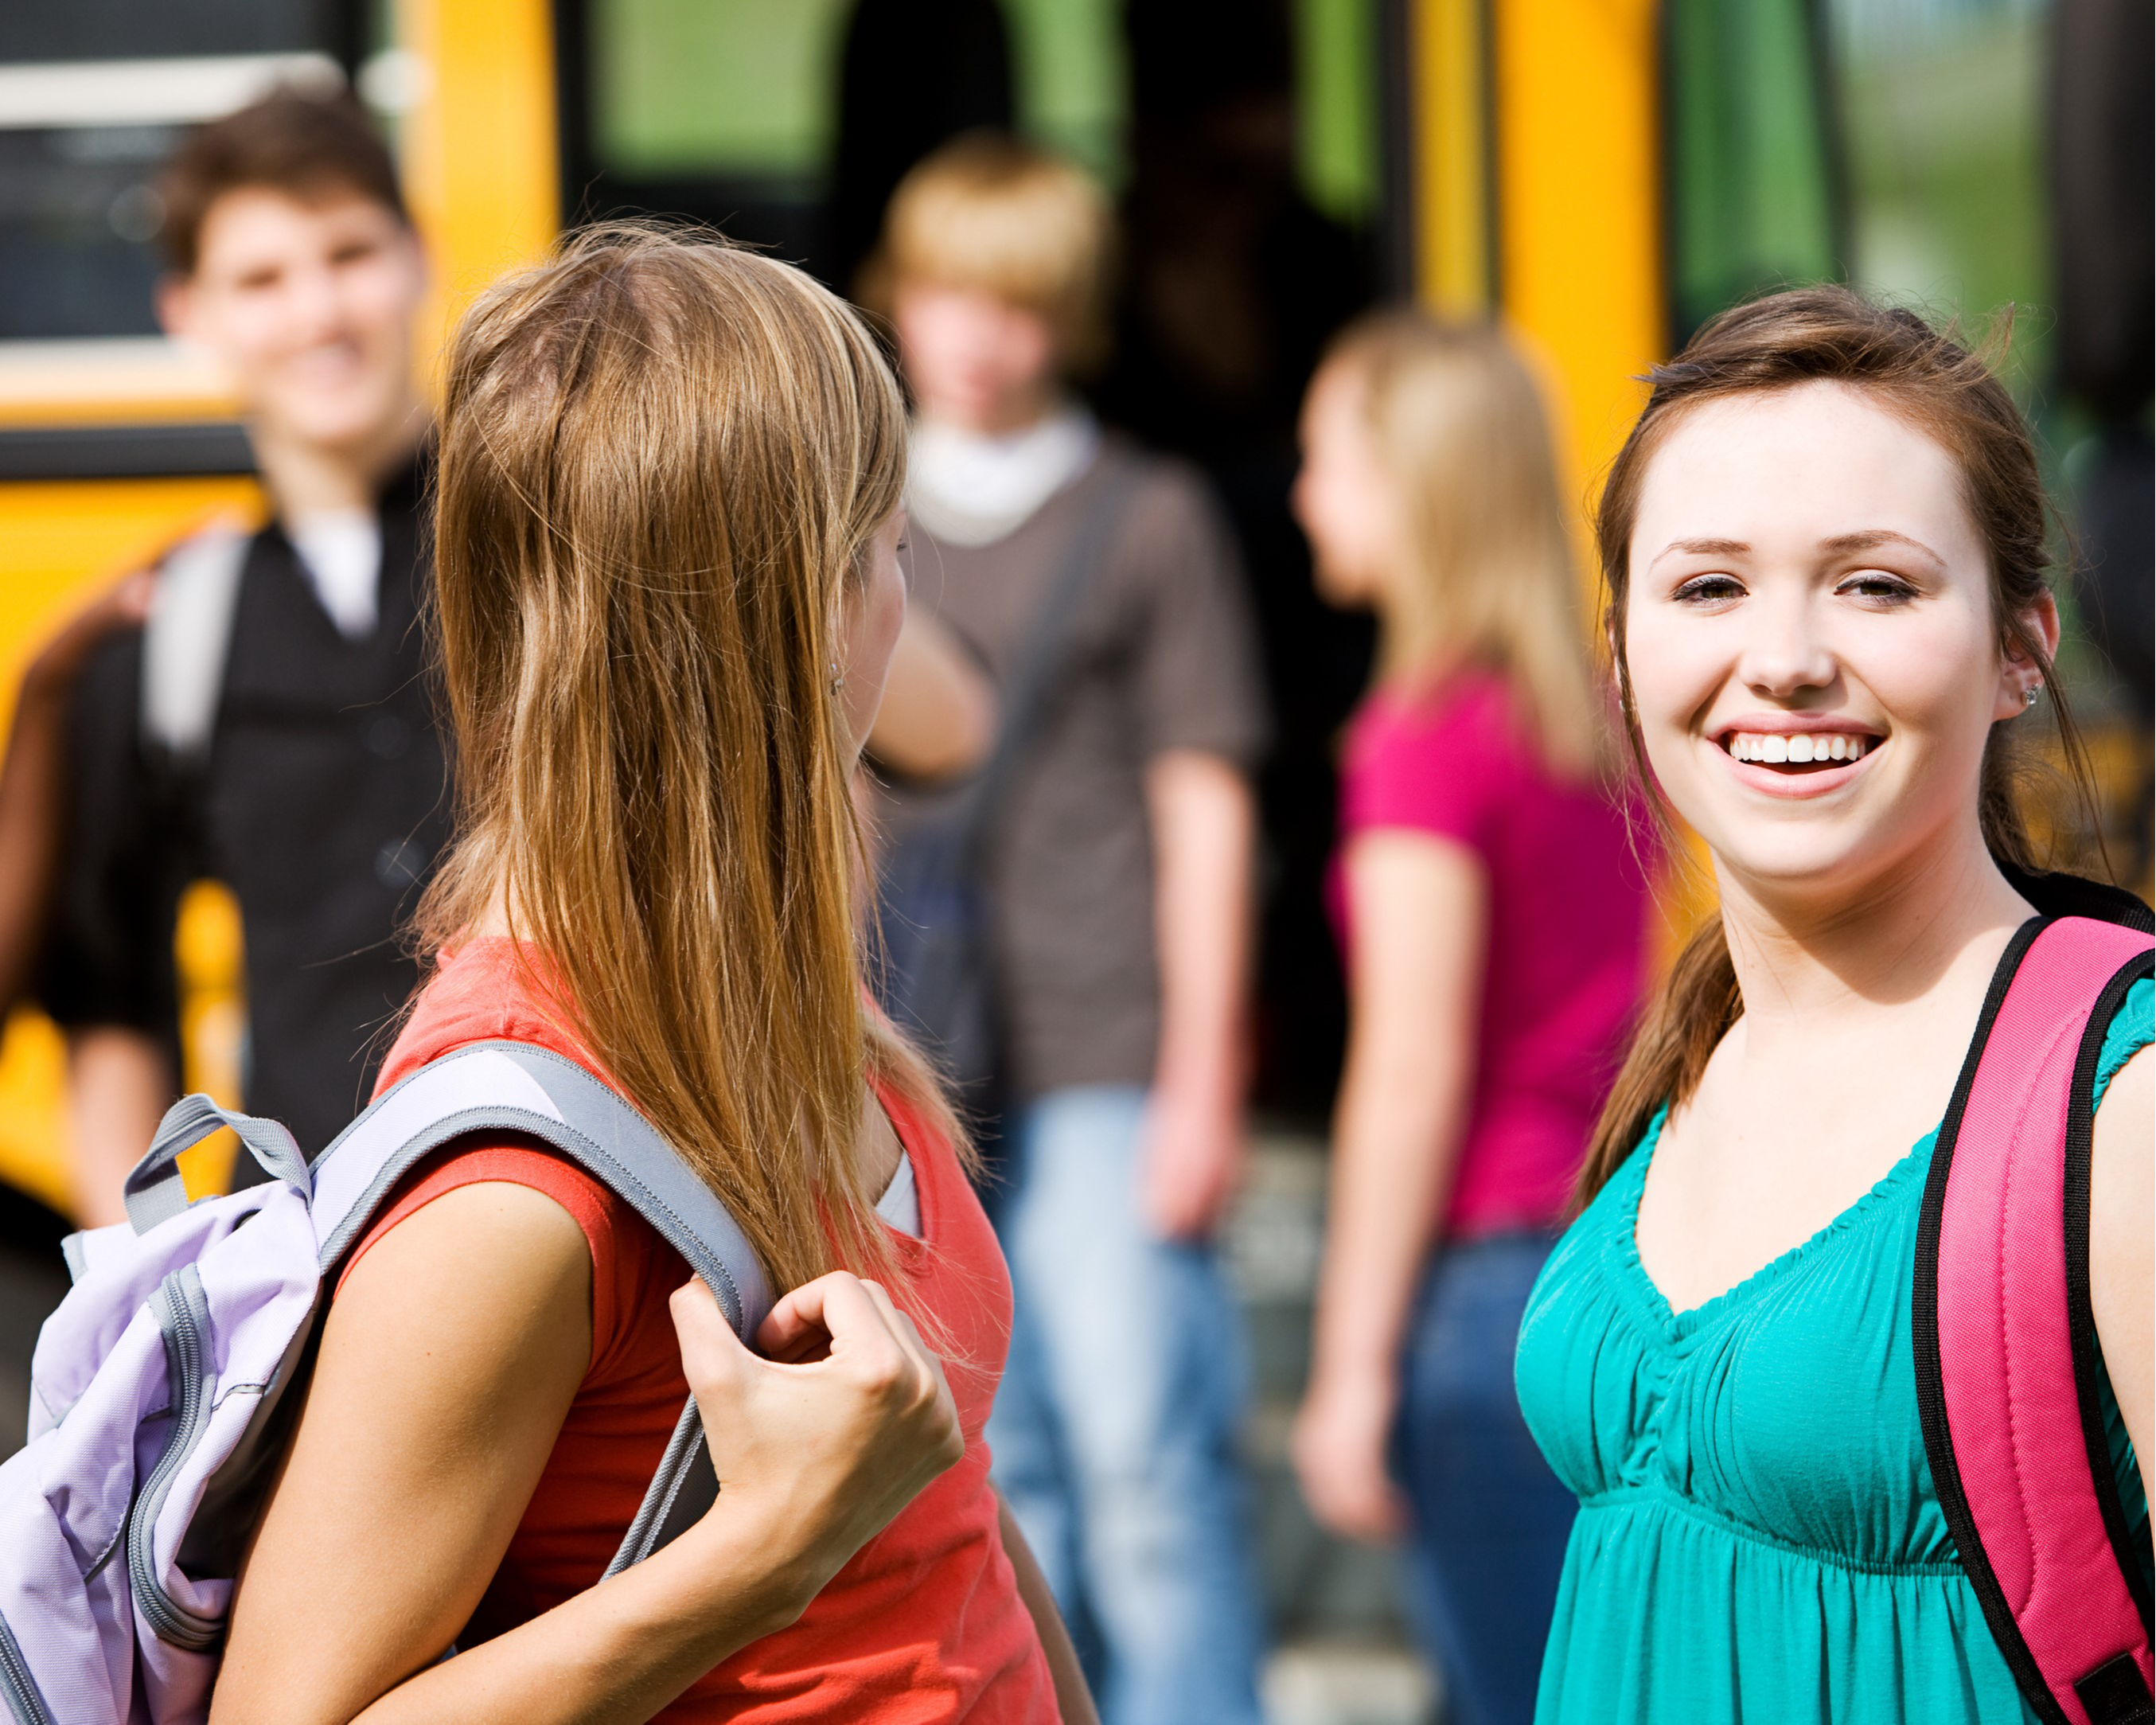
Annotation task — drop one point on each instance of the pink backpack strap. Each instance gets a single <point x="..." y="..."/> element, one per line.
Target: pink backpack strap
<point x="2007" y="1363"/>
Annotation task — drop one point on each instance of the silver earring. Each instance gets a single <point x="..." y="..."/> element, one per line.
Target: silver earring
<point x="2028" y="695"/>
<point x="839" y="678"/>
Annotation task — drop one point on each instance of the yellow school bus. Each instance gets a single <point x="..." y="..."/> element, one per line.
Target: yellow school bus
<point x="1600" y="173"/>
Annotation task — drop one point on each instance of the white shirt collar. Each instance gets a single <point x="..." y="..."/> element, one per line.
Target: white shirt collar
<point x="340" y="555"/>
<point x="969" y="488"/>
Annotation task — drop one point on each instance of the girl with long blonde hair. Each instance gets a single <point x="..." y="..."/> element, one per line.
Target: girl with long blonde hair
<point x="669" y="594"/>
<point x="1492" y="914"/>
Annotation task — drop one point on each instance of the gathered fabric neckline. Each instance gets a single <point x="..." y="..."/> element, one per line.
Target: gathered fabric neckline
<point x="1674" y="1325"/>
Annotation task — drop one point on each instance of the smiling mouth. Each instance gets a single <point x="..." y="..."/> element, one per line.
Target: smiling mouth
<point x="1798" y="752"/>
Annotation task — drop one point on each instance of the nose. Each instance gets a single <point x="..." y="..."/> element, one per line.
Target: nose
<point x="1785" y="649"/>
<point x="314" y="301"/>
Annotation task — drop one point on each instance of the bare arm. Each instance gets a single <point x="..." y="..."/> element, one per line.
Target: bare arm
<point x="1073" y="1701"/>
<point x="120" y="1083"/>
<point x="2122" y="1245"/>
<point x="33" y="777"/>
<point x="1420" y="909"/>
<point x="1204" y="819"/>
<point x="938" y="716"/>
<point x="447" y="1365"/>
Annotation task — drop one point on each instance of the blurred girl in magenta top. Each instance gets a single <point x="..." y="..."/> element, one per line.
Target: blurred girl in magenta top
<point x="1492" y="909"/>
<point x="1565" y="927"/>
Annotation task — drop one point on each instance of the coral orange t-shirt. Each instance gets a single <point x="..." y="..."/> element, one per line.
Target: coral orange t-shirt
<point x="924" y="1623"/>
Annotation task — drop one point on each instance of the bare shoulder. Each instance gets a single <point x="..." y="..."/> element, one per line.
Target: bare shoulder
<point x="475" y="1265"/>
<point x="2122" y="1173"/>
<point x="2126" y="1118"/>
<point x="2122" y="1241"/>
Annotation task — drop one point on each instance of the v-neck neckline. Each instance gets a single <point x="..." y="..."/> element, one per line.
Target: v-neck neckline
<point x="1675" y="1325"/>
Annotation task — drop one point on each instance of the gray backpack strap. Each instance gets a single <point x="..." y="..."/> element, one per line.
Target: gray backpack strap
<point x="153" y="1190"/>
<point x="188" y="638"/>
<point x="516" y="1087"/>
<point x="1028" y="690"/>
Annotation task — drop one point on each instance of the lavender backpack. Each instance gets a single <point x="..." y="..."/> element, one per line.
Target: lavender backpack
<point x="164" y="1385"/>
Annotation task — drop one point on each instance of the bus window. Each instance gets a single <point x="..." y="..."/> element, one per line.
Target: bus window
<point x="788" y="126"/>
<point x="83" y="128"/>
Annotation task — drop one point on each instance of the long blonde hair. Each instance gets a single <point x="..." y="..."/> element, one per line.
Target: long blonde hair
<point x="1460" y="432"/>
<point x="662" y="463"/>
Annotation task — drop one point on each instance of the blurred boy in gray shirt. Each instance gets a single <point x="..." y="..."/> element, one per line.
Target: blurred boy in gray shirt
<point x="1117" y="880"/>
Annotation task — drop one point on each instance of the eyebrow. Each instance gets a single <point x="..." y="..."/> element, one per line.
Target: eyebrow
<point x="1704" y="548"/>
<point x="1842" y="545"/>
<point x="1872" y="538"/>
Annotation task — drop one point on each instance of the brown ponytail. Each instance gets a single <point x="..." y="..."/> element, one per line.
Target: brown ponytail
<point x="1832" y="335"/>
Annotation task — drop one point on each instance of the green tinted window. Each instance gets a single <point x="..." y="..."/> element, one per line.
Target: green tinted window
<point x="718" y="88"/>
<point x="1067" y="62"/>
<point x="1943" y="112"/>
<point x="748" y="89"/>
<point x="1751" y="185"/>
<point x="1336" y="90"/>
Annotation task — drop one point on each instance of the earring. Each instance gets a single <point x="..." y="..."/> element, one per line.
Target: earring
<point x="839" y="678"/>
<point x="2028" y="695"/>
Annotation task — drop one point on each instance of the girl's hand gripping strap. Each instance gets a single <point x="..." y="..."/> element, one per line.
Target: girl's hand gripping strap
<point x="2005" y="1338"/>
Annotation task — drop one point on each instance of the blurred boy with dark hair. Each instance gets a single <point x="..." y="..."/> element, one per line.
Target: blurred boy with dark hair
<point x="1118" y="863"/>
<point x="270" y="727"/>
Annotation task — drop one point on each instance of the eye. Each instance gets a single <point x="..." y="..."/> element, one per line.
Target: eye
<point x="1708" y="590"/>
<point x="1877" y="587"/>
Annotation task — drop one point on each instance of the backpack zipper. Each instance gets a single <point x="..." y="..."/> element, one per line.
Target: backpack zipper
<point x="183" y="1317"/>
<point x="23" y="1701"/>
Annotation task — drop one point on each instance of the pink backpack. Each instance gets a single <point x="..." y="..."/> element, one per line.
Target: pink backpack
<point x="2007" y="1361"/>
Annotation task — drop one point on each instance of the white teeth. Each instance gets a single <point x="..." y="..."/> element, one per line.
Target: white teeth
<point x="1802" y="746"/>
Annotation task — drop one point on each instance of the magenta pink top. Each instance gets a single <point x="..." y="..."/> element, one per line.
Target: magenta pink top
<point x="1566" y="959"/>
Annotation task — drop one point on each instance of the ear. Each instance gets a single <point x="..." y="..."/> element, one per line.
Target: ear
<point x="2019" y="670"/>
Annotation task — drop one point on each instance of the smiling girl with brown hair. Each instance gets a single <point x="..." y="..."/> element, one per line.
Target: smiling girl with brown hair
<point x="1825" y="542"/>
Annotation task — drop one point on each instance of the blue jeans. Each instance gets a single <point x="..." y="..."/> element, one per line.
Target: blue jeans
<point x="1491" y="1519"/>
<point x="1114" y="1433"/>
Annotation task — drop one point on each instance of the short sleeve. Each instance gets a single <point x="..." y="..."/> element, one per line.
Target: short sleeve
<point x="2132" y="1029"/>
<point x="1445" y="768"/>
<point x="125" y="856"/>
<point x="1197" y="680"/>
<point x="596" y="1211"/>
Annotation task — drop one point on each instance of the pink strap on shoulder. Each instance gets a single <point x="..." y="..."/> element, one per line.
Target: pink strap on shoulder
<point x="2005" y="1352"/>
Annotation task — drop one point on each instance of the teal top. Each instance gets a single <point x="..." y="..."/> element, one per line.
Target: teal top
<point x="1758" y="1536"/>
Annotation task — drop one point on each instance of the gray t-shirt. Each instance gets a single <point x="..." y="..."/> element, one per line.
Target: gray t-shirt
<point x="1160" y="654"/>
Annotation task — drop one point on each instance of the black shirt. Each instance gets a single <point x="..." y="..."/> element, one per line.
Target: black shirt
<point x="323" y="804"/>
